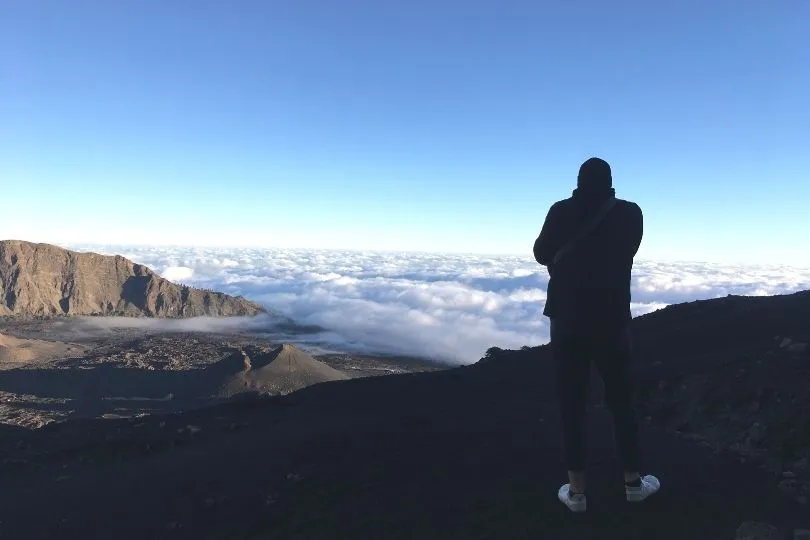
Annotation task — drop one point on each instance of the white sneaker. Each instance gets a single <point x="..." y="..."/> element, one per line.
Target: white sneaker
<point x="649" y="485"/>
<point x="574" y="502"/>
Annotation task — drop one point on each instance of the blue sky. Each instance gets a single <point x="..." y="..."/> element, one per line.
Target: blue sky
<point x="428" y="126"/>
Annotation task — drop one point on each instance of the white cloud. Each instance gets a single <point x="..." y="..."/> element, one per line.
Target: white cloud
<point x="449" y="307"/>
<point x="178" y="274"/>
<point x="93" y="325"/>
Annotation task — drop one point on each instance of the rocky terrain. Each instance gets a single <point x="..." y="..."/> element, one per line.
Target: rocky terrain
<point x="67" y="368"/>
<point x="42" y="279"/>
<point x="453" y="453"/>
<point x="731" y="373"/>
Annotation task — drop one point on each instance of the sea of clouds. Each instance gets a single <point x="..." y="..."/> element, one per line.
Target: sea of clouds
<point x="445" y="307"/>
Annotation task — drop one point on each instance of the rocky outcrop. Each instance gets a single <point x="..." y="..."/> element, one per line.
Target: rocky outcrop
<point x="277" y="371"/>
<point x="42" y="279"/>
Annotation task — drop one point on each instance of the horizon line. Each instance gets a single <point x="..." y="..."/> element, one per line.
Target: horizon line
<point x="269" y="247"/>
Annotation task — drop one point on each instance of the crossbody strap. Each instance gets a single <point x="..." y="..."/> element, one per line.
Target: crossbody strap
<point x="606" y="207"/>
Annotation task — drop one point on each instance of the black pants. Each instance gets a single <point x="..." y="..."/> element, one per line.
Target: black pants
<point x="611" y="352"/>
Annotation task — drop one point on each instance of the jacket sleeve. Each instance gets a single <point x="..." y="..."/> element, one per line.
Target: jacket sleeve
<point x="636" y="230"/>
<point x="547" y="244"/>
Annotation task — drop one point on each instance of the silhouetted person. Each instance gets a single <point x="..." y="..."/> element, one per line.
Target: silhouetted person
<point x="588" y="242"/>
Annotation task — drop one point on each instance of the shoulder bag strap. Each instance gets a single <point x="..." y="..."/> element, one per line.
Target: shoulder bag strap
<point x="589" y="227"/>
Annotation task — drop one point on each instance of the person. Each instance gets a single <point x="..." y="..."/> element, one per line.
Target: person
<point x="588" y="305"/>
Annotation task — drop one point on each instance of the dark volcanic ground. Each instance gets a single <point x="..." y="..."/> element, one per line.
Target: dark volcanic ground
<point x="73" y="368"/>
<point x="463" y="453"/>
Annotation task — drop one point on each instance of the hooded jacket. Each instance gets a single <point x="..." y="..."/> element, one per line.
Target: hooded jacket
<point x="590" y="286"/>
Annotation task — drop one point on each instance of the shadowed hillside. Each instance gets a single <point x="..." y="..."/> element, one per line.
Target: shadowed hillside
<point x="42" y="279"/>
<point x="731" y="373"/>
<point x="472" y="452"/>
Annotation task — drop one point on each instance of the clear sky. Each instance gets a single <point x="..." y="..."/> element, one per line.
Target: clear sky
<point x="404" y="125"/>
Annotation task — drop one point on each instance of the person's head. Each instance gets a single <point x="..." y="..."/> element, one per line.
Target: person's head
<point x="594" y="175"/>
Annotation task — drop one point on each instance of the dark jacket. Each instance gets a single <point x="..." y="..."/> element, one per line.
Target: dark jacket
<point x="591" y="284"/>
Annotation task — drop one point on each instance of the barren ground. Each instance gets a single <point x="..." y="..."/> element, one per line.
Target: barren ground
<point x="60" y="368"/>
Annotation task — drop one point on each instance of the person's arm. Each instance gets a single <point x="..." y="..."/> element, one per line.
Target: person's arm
<point x="636" y="230"/>
<point x="547" y="243"/>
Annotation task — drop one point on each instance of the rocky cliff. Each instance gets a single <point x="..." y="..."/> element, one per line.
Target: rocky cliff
<point x="42" y="279"/>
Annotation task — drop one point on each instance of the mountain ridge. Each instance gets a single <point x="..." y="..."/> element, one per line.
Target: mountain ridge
<point x="38" y="279"/>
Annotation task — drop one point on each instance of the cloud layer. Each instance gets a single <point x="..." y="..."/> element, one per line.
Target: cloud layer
<point x="447" y="307"/>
